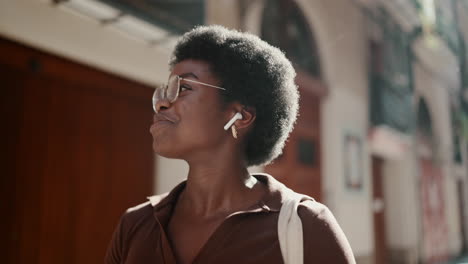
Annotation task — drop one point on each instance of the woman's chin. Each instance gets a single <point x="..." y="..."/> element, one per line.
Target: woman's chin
<point x="165" y="151"/>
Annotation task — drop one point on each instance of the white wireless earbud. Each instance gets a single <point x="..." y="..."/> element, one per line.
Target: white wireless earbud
<point x="237" y="116"/>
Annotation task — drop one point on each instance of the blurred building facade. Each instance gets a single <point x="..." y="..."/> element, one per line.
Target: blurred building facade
<point x="382" y="135"/>
<point x="386" y="142"/>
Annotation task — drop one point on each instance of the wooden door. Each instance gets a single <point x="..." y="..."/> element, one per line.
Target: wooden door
<point x="76" y="154"/>
<point x="434" y="218"/>
<point x="299" y="167"/>
<point x="380" y="240"/>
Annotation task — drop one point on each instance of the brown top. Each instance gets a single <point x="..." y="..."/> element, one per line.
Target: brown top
<point x="249" y="236"/>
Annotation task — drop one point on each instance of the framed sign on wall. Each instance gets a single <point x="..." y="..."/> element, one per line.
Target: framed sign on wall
<point x="353" y="162"/>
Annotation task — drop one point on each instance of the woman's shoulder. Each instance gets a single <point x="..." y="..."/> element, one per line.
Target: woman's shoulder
<point x="154" y="204"/>
<point x="311" y="209"/>
<point x="131" y="222"/>
<point x="323" y="235"/>
<point x="317" y="219"/>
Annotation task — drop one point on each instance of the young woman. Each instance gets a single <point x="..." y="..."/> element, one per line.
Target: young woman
<point x="230" y="103"/>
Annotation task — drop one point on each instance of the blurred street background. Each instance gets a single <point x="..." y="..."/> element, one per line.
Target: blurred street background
<point x="382" y="137"/>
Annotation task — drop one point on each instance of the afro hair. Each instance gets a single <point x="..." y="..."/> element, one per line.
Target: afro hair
<point x="256" y="75"/>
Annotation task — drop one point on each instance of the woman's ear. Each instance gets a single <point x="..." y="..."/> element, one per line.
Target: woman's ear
<point x="248" y="117"/>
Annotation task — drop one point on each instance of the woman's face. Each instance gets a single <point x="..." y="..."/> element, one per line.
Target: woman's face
<point x="193" y="124"/>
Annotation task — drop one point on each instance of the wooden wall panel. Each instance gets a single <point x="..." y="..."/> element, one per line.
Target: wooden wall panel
<point x="78" y="154"/>
<point x="10" y="99"/>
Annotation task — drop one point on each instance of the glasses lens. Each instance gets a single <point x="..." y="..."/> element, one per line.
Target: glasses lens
<point x="167" y="92"/>
<point x="173" y="88"/>
<point x="158" y="95"/>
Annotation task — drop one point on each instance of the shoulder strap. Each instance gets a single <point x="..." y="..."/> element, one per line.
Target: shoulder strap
<point x="290" y="229"/>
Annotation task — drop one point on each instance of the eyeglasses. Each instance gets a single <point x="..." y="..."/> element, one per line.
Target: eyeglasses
<point x="170" y="91"/>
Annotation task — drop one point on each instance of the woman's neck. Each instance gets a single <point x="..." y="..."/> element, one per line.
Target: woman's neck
<point x="218" y="189"/>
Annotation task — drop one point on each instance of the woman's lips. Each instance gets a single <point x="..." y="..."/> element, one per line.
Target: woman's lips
<point x="159" y="124"/>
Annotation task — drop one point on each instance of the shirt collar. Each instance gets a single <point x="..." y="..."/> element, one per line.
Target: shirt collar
<point x="271" y="201"/>
<point x="160" y="201"/>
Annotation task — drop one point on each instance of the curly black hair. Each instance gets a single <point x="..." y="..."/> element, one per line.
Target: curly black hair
<point x="255" y="74"/>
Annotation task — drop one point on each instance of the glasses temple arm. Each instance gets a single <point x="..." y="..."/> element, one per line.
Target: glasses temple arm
<point x="214" y="86"/>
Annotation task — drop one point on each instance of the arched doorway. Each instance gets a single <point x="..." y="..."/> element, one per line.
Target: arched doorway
<point x="299" y="167"/>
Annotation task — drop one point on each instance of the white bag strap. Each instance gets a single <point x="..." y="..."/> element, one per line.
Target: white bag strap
<point x="290" y="230"/>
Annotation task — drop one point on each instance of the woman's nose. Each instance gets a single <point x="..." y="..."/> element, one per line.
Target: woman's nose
<point x="161" y="105"/>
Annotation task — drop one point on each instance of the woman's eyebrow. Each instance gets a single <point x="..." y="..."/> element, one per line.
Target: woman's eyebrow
<point x="189" y="74"/>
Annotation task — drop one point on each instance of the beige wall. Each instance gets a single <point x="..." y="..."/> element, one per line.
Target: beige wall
<point x="223" y="12"/>
<point x="169" y="172"/>
<point x="402" y="210"/>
